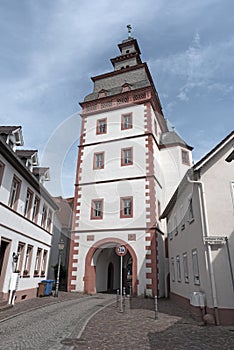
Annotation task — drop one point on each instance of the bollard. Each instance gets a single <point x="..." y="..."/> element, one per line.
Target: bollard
<point x="156" y="307"/>
<point x="117" y="298"/>
<point x="124" y="296"/>
<point x="130" y="291"/>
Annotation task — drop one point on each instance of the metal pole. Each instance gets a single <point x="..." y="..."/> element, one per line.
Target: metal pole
<point x="121" y="283"/>
<point x="58" y="274"/>
<point x="124" y="296"/>
<point x="156" y="307"/>
<point x="117" y="298"/>
<point x="230" y="261"/>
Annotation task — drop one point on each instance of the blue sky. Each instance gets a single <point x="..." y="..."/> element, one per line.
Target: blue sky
<point x="50" y="49"/>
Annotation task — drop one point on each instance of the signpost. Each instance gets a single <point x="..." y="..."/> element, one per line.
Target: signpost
<point x="121" y="250"/>
<point x="212" y="240"/>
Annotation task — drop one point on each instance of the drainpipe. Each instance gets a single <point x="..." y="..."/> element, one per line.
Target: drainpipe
<point x="209" y="255"/>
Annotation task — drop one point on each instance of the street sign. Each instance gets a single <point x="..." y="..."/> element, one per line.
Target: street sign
<point x="121" y="250"/>
<point x="215" y="240"/>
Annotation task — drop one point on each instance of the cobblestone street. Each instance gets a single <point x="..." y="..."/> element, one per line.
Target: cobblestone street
<point x="74" y="322"/>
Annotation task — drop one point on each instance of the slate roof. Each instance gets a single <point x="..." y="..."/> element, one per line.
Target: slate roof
<point x="172" y="138"/>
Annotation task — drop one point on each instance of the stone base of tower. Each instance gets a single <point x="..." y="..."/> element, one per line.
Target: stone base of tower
<point x="95" y="267"/>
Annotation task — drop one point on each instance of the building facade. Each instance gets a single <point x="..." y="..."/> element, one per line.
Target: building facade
<point x="26" y="218"/>
<point x="200" y="224"/>
<point x="129" y="163"/>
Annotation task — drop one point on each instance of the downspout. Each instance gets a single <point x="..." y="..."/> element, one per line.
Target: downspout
<point x="209" y="256"/>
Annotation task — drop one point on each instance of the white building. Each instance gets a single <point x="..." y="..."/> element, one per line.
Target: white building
<point x="200" y="218"/>
<point x="26" y="216"/>
<point x="129" y="164"/>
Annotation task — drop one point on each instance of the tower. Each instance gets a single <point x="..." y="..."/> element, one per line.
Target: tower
<point x="120" y="182"/>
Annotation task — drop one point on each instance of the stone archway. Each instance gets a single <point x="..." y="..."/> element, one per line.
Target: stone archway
<point x="90" y="268"/>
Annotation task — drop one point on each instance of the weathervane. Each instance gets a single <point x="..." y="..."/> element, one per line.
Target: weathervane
<point x="129" y="30"/>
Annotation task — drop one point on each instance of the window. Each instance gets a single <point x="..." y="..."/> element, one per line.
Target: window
<point x="178" y="268"/>
<point x="98" y="160"/>
<point x="126" y="156"/>
<point x="159" y="211"/>
<point x="20" y="253"/>
<point x="172" y="270"/>
<point x="44" y="216"/>
<point x="101" y="126"/>
<point x="28" y="203"/>
<point x="170" y="234"/>
<point x="97" y="209"/>
<point x="2" y="166"/>
<point x="175" y="225"/>
<point x="196" y="277"/>
<point x="232" y="189"/>
<point x="44" y="262"/>
<point x="36" y="205"/>
<point x="182" y="217"/>
<point x="28" y="259"/>
<point x="190" y="211"/>
<point x="185" y="157"/>
<point x="185" y="265"/>
<point x="126" y="207"/>
<point x="14" y="194"/>
<point x="126" y="121"/>
<point x="155" y="127"/>
<point x="38" y="262"/>
<point x="49" y="220"/>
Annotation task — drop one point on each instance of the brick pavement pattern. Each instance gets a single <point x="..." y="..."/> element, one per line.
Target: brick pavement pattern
<point x="137" y="328"/>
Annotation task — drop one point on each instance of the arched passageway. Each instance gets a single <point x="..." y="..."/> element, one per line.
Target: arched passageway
<point x="102" y="267"/>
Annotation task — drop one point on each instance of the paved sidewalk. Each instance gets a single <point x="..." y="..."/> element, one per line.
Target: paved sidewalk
<point x="137" y="328"/>
<point x="31" y="304"/>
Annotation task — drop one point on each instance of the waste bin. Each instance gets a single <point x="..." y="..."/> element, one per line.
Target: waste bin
<point x="49" y="285"/>
<point x="41" y="289"/>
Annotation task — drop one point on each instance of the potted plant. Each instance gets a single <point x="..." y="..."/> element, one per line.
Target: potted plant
<point x="25" y="272"/>
<point x="42" y="273"/>
<point x="36" y="272"/>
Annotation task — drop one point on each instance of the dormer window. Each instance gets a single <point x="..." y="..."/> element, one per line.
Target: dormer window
<point x="126" y="87"/>
<point x="102" y="93"/>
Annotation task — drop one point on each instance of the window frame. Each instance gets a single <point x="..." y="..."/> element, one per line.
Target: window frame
<point x="190" y="210"/>
<point x="20" y="253"/>
<point x="196" y="274"/>
<point x="44" y="261"/>
<point x="185" y="266"/>
<point x="96" y="154"/>
<point x="28" y="260"/>
<point x="28" y="203"/>
<point x="35" y="211"/>
<point x="122" y="207"/>
<point x="123" y="150"/>
<point x="93" y="208"/>
<point x="123" y="116"/>
<point x="44" y="216"/>
<point x="172" y="269"/>
<point x="185" y="157"/>
<point x="37" y="266"/>
<point x="14" y="193"/>
<point x="178" y="268"/>
<point x="98" y="130"/>
<point x="2" y="168"/>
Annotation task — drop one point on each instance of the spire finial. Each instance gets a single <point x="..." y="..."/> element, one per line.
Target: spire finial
<point x="129" y="30"/>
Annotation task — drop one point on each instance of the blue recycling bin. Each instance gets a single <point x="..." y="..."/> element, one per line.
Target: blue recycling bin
<point x="48" y="287"/>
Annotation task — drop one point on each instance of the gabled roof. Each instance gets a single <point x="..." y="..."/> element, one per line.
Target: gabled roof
<point x="195" y="168"/>
<point x="14" y="160"/>
<point x="230" y="157"/>
<point x="8" y="129"/>
<point x="215" y="150"/>
<point x="30" y="155"/>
